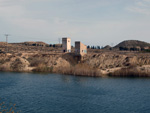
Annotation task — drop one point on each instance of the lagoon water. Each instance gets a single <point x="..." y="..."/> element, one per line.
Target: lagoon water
<point x="51" y="93"/>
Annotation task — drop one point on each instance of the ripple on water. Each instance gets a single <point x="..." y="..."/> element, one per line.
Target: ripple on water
<point x="37" y="93"/>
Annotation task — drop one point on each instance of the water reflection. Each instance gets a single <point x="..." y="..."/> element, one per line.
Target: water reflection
<point x="70" y="79"/>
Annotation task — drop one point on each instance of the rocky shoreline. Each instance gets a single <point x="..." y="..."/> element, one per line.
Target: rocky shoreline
<point x="93" y="64"/>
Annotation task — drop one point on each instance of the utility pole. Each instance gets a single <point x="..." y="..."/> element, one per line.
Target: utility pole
<point x="6" y="35"/>
<point x="59" y="39"/>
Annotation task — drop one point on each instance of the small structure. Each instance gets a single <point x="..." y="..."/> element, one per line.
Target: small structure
<point x="146" y="48"/>
<point x="66" y="44"/>
<point x="80" y="49"/>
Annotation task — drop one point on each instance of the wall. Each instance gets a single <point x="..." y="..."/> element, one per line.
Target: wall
<point x="80" y="49"/>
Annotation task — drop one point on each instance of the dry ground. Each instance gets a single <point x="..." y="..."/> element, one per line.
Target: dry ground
<point x="49" y="59"/>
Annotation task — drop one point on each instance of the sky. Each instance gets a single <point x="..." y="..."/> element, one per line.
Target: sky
<point x="93" y="22"/>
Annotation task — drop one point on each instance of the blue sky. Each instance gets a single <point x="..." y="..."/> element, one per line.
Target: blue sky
<point x="94" y="22"/>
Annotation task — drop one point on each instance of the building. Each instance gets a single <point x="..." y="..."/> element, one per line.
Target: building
<point x="66" y="44"/>
<point x="146" y="48"/>
<point x="80" y="49"/>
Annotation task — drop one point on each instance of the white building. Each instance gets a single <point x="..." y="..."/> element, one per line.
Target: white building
<point x="66" y="44"/>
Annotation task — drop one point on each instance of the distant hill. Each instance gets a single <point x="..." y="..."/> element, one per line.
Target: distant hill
<point x="36" y="43"/>
<point x="107" y="47"/>
<point x="31" y="43"/>
<point x="133" y="43"/>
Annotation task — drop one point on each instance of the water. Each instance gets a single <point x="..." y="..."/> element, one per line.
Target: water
<point x="38" y="93"/>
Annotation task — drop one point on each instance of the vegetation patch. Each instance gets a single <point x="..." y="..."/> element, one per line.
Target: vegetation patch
<point x="43" y="68"/>
<point x="80" y="70"/>
<point x="130" y="72"/>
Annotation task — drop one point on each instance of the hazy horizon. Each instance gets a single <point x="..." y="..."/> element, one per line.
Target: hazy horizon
<point x="93" y="22"/>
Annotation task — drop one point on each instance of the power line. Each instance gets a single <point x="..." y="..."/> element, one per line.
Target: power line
<point x="6" y="35"/>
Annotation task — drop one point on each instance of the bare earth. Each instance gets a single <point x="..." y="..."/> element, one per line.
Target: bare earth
<point x="28" y="59"/>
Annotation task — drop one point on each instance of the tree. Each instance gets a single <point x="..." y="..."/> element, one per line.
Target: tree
<point x="50" y="45"/>
<point x="54" y="45"/>
<point x="98" y="47"/>
<point x="88" y="47"/>
<point x="121" y="48"/>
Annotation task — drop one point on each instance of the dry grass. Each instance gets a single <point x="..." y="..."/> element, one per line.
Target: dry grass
<point x="43" y="68"/>
<point x="17" y="65"/>
<point x="79" y="70"/>
<point x="2" y="61"/>
<point x="4" y="68"/>
<point x="131" y="72"/>
<point x="36" y="61"/>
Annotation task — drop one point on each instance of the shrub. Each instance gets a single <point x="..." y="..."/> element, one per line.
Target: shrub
<point x="36" y="61"/>
<point x="43" y="68"/>
<point x="4" y="68"/>
<point x="17" y="65"/>
<point x="2" y="61"/>
<point x="130" y="72"/>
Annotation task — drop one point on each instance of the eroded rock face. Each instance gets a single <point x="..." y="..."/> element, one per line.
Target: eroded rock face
<point x="14" y="63"/>
<point x="109" y="60"/>
<point x="105" y="61"/>
<point x="19" y="64"/>
<point x="27" y="62"/>
<point x="62" y="63"/>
